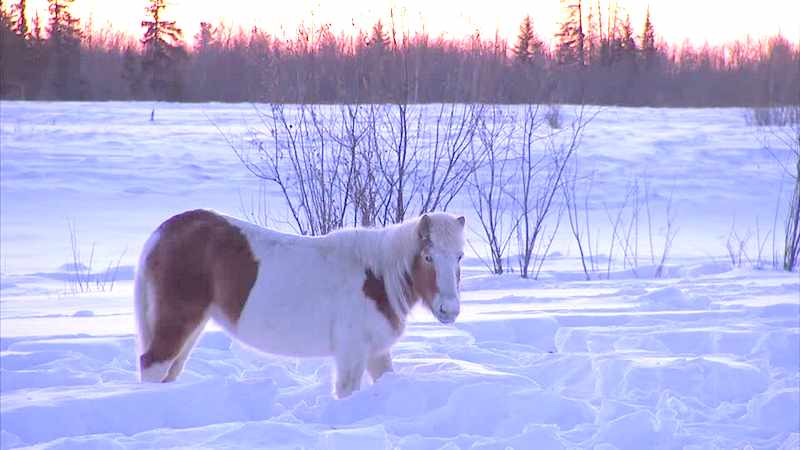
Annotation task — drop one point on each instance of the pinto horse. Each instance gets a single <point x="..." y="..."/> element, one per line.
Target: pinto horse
<point x="346" y="294"/>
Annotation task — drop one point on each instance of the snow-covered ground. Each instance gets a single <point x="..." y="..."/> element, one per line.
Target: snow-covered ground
<point x="707" y="356"/>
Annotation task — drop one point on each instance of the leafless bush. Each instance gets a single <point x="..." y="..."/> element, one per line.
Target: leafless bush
<point x="448" y="161"/>
<point x="553" y="116"/>
<point x="314" y="172"/>
<point x="82" y="278"/>
<point x="580" y="228"/>
<point x="360" y="164"/>
<point x="779" y="116"/>
<point x="488" y="190"/>
<point x="783" y="136"/>
<point x="625" y="230"/>
<point x="545" y="155"/>
<point x="791" y="252"/>
<point x="670" y="231"/>
<point x="256" y="209"/>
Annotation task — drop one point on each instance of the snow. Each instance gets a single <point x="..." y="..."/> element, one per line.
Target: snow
<point x="706" y="356"/>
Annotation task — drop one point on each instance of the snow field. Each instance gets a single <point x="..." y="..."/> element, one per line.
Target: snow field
<point x="710" y="373"/>
<point x="706" y="357"/>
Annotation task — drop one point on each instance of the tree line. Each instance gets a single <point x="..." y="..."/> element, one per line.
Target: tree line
<point x="597" y="56"/>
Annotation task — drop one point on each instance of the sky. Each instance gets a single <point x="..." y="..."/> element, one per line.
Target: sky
<point x="675" y="20"/>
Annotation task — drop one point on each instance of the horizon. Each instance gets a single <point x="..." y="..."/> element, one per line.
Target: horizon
<point x="765" y="19"/>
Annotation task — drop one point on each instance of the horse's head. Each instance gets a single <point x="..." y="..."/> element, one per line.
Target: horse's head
<point x="436" y="272"/>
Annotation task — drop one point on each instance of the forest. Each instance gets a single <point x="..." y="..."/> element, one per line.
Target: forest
<point x="597" y="57"/>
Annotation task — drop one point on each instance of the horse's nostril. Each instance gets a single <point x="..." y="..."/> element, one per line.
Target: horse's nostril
<point x="441" y="310"/>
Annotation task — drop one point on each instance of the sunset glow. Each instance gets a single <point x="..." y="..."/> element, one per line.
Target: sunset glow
<point x="713" y="21"/>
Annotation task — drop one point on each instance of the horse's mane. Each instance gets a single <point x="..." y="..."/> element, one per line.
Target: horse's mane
<point x="389" y="253"/>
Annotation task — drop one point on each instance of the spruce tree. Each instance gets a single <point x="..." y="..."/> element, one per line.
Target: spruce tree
<point x="522" y="48"/>
<point x="528" y="45"/>
<point x="162" y="52"/>
<point x="379" y="39"/>
<point x="648" y="42"/>
<point x="64" y="45"/>
<point x="132" y="72"/>
<point x="628" y="47"/>
<point x="9" y="55"/>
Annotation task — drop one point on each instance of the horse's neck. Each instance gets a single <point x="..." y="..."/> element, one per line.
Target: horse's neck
<point x="398" y="248"/>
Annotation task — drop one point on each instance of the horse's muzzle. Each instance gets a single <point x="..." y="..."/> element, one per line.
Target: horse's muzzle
<point x="448" y="311"/>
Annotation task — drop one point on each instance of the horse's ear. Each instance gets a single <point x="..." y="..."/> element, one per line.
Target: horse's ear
<point x="424" y="229"/>
<point x="461" y="220"/>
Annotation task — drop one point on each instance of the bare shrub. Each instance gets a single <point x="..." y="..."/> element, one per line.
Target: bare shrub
<point x="313" y="171"/>
<point x="580" y="228"/>
<point x="791" y="251"/>
<point x="780" y="133"/>
<point x="670" y="231"/>
<point x="359" y="164"/>
<point x="779" y="116"/>
<point x="448" y="161"/>
<point x="553" y="116"/>
<point x="82" y="277"/>
<point x="488" y="190"/>
<point x="544" y="157"/>
<point x="256" y="208"/>
<point x="625" y="229"/>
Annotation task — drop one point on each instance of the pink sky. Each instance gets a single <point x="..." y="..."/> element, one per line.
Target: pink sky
<point x="715" y="21"/>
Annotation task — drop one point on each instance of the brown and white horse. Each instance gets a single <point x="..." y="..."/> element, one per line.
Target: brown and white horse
<point x="346" y="294"/>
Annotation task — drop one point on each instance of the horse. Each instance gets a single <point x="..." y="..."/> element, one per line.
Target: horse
<point x="346" y="294"/>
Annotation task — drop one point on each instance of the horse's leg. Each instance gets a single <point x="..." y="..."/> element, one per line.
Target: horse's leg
<point x="180" y="361"/>
<point x="378" y="364"/>
<point x="170" y="335"/>
<point x="350" y="365"/>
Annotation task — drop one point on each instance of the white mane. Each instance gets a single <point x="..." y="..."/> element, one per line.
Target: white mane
<point x="389" y="251"/>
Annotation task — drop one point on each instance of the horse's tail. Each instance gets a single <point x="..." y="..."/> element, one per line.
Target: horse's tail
<point x="141" y="298"/>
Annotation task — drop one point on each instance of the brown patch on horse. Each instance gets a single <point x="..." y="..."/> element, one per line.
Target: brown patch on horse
<point x="423" y="277"/>
<point x="200" y="259"/>
<point x="419" y="284"/>
<point x="375" y="288"/>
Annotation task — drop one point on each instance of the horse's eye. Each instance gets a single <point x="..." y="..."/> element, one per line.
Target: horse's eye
<point x="460" y="256"/>
<point x="428" y="258"/>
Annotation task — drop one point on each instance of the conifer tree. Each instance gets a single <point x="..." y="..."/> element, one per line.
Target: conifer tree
<point x="132" y="72"/>
<point x="528" y="45"/>
<point x="648" y="45"/>
<point x="628" y="41"/>
<point x="8" y="51"/>
<point x="64" y="42"/>
<point x="379" y="39"/>
<point x="162" y="52"/>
